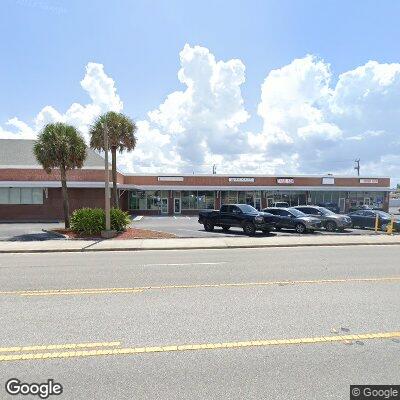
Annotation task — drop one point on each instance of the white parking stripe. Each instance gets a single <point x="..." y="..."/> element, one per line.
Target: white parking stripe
<point x="194" y="230"/>
<point x="183" y="264"/>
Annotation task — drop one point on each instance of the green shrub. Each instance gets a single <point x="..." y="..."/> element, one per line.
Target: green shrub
<point x="119" y="219"/>
<point x="88" y="221"/>
<point x="91" y="221"/>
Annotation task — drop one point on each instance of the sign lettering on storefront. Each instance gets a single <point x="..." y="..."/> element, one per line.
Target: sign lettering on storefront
<point x="363" y="180"/>
<point x="328" y="181"/>
<point x="171" y="178"/>
<point x="287" y="181"/>
<point x="241" y="179"/>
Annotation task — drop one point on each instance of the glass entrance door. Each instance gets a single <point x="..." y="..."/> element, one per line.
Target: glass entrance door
<point x="257" y="203"/>
<point x="342" y="204"/>
<point x="177" y="205"/>
<point x="164" y="205"/>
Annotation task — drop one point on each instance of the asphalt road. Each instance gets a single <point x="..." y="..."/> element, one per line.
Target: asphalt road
<point x="253" y="300"/>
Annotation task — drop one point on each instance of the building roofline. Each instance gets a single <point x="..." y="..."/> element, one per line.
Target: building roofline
<point x="258" y="175"/>
<point x="257" y="188"/>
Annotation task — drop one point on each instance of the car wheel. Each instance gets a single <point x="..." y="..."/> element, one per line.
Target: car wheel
<point x="249" y="229"/>
<point x="208" y="226"/>
<point x="300" y="228"/>
<point x="225" y="228"/>
<point x="330" y="226"/>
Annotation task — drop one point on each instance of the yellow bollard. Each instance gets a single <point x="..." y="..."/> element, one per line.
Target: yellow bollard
<point x="376" y="223"/>
<point x="390" y="226"/>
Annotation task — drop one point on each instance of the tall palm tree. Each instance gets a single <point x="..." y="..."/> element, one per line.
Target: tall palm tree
<point x="121" y="136"/>
<point x="60" y="146"/>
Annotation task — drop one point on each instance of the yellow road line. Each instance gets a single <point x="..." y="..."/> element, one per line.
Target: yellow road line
<point x="59" y="346"/>
<point x="81" y="291"/>
<point x="201" y="346"/>
<point x="55" y="292"/>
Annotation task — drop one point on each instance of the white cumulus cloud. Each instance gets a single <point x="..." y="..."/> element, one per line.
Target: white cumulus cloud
<point x="312" y="120"/>
<point x="102" y="92"/>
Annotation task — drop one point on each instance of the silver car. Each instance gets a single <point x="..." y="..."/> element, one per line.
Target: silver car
<point x="330" y="221"/>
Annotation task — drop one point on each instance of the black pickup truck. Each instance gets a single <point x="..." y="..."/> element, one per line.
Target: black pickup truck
<point x="238" y="215"/>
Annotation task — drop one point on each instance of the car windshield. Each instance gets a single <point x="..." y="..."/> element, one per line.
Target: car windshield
<point x="325" y="211"/>
<point x="383" y="214"/>
<point x="297" y="213"/>
<point x="246" y="208"/>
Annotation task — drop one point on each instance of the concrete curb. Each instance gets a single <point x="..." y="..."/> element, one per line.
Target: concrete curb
<point x="183" y="244"/>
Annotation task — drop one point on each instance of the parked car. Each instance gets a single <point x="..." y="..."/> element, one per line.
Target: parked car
<point x="330" y="206"/>
<point x="290" y="218"/>
<point x="281" y="204"/>
<point x="364" y="207"/>
<point x="330" y="220"/>
<point x="238" y="215"/>
<point x="366" y="219"/>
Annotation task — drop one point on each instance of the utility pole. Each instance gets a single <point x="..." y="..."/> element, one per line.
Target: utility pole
<point x="107" y="233"/>
<point x="357" y="166"/>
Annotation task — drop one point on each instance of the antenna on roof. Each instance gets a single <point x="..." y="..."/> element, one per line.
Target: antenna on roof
<point x="357" y="166"/>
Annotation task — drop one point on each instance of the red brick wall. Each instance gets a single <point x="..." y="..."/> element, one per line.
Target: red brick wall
<point x="259" y="181"/>
<point x="98" y="175"/>
<point x="83" y="175"/>
<point x="52" y="207"/>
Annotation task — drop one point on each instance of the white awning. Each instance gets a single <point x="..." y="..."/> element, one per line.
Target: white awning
<point x="255" y="188"/>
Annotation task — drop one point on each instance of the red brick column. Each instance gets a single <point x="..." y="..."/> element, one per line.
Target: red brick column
<point x="170" y="202"/>
<point x="217" y="202"/>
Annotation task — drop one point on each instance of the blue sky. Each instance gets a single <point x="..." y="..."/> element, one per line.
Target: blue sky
<point x="45" y="46"/>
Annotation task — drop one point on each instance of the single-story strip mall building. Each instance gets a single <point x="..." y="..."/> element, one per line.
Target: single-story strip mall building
<point x="27" y="192"/>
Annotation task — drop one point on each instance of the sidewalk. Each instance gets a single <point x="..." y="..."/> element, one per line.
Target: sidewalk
<point x="194" y="243"/>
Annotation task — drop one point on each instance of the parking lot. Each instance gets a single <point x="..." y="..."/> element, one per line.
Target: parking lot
<point x="181" y="226"/>
<point x="188" y="226"/>
<point x="28" y="231"/>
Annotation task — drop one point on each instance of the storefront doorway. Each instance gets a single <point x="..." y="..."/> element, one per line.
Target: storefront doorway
<point x="342" y="204"/>
<point x="164" y="205"/>
<point x="257" y="203"/>
<point x="177" y="205"/>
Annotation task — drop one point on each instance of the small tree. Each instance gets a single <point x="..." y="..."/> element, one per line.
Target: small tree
<point x="60" y="146"/>
<point x="121" y="136"/>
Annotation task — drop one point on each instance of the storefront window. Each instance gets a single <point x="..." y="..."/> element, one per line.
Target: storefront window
<point x="21" y="195"/>
<point x="189" y="200"/>
<point x="153" y="200"/>
<point x="229" y="197"/>
<point x="206" y="200"/>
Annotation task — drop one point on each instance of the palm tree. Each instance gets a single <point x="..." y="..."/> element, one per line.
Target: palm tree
<point x="121" y="136"/>
<point x="60" y="146"/>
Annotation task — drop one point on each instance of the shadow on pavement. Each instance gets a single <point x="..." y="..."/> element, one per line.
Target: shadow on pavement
<point x="30" y="237"/>
<point x="239" y="233"/>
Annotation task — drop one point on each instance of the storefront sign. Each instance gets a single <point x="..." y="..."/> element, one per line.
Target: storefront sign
<point x="171" y="178"/>
<point x="241" y="179"/>
<point x="287" y="181"/>
<point x="328" y="181"/>
<point x="369" y="180"/>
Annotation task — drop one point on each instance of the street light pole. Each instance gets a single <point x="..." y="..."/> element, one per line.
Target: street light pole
<point x="107" y="178"/>
<point x="107" y="233"/>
